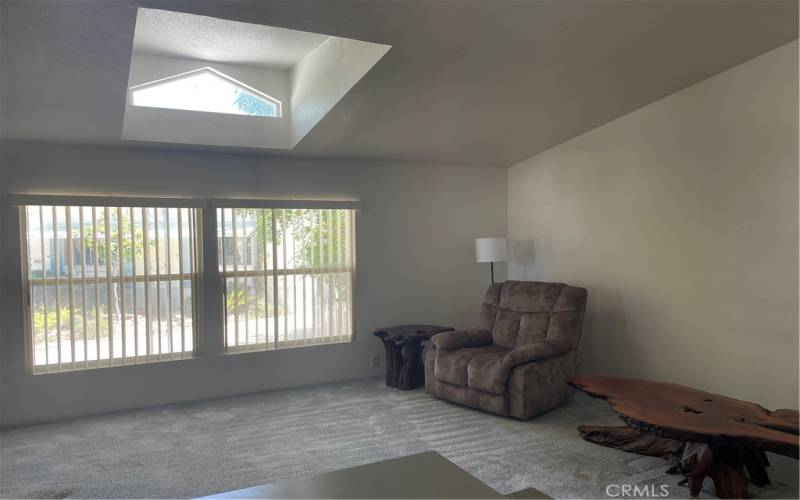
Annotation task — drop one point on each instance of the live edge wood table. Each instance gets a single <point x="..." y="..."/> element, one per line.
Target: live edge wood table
<point x="403" y="344"/>
<point x="706" y="434"/>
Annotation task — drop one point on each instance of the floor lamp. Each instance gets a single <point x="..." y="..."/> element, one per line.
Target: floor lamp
<point x="491" y="250"/>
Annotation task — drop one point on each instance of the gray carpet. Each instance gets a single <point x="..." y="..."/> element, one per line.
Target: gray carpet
<point x="202" y="448"/>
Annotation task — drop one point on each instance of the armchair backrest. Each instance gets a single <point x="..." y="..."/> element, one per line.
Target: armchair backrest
<point x="522" y="312"/>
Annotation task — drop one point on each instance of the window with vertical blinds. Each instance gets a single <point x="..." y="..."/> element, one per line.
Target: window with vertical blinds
<point x="287" y="276"/>
<point x="109" y="286"/>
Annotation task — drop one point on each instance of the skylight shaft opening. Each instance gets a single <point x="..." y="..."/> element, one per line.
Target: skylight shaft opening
<point x="207" y="90"/>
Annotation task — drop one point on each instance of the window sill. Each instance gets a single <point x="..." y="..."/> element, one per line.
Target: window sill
<point x="285" y="345"/>
<point x="80" y="366"/>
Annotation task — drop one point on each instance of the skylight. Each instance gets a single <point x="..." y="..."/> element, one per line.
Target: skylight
<point x="205" y="89"/>
<point x="176" y="69"/>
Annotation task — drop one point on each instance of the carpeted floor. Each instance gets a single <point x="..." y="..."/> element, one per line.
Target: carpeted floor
<point x="207" y="447"/>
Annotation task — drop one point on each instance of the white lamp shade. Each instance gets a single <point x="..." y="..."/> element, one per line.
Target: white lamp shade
<point x="490" y="250"/>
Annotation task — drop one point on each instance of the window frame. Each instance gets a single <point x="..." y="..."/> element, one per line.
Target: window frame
<point x="196" y="278"/>
<point x="353" y="208"/>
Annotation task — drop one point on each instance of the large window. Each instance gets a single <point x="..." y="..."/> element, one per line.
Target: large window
<point x="109" y="286"/>
<point x="287" y="276"/>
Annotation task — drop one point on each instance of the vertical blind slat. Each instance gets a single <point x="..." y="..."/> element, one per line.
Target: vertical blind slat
<point x="193" y="270"/>
<point x="96" y="266"/>
<point x="245" y="295"/>
<point x="168" y="251"/>
<point x="107" y="234"/>
<point x="83" y="288"/>
<point x="135" y="291"/>
<point x="28" y="306"/>
<point x="314" y="258"/>
<point x="330" y="276"/>
<point x="253" y="251"/>
<point x="44" y="292"/>
<point x="157" y="230"/>
<point x="181" y="293"/>
<point x="57" y="272"/>
<point x="235" y="257"/>
<point x="305" y="278"/>
<point x="285" y="280"/>
<point x="121" y="252"/>
<point x="70" y="285"/>
<point x="294" y="281"/>
<point x="320" y="305"/>
<point x="274" y="231"/>
<point x="148" y="326"/>
<point x="223" y="251"/>
<point x="263" y="217"/>
<point x="338" y="306"/>
<point x="350" y="269"/>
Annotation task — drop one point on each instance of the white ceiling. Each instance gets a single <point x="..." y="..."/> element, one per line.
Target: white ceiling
<point x="472" y="82"/>
<point x="177" y="34"/>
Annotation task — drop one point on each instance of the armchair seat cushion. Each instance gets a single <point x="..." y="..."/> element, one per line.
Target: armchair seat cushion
<point x="452" y="366"/>
<point x="489" y="372"/>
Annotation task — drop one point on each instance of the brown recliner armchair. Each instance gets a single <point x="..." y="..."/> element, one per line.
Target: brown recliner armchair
<point x="515" y="363"/>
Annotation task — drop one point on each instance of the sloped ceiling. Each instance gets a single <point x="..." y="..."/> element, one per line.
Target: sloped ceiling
<point x="474" y="82"/>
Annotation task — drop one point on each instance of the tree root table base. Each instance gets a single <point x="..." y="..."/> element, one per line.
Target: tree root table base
<point x="704" y="434"/>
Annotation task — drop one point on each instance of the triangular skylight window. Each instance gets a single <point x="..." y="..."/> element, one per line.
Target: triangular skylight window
<point x="205" y="89"/>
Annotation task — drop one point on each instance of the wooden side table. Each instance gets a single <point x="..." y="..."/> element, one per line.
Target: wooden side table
<point x="708" y="434"/>
<point x="403" y="344"/>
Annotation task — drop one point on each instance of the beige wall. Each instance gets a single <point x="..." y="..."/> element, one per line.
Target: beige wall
<point x="415" y="252"/>
<point x="681" y="219"/>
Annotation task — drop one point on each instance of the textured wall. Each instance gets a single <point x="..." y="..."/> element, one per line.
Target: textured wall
<point x="681" y="219"/>
<point x="415" y="257"/>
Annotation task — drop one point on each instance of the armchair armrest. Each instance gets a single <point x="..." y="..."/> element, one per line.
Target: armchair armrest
<point x="462" y="339"/>
<point x="542" y="349"/>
